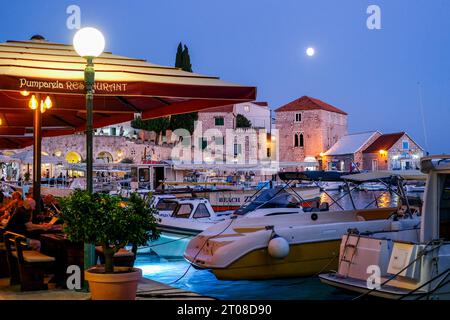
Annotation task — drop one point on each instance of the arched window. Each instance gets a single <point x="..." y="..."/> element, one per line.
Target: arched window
<point x="301" y="140"/>
<point x="295" y="140"/>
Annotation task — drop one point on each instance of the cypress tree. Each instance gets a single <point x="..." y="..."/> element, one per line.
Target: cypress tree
<point x="186" y="60"/>
<point x="179" y="56"/>
<point x="186" y="120"/>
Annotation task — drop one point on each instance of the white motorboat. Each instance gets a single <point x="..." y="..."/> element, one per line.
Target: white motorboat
<point x="416" y="187"/>
<point x="403" y="264"/>
<point x="285" y="241"/>
<point x="372" y="186"/>
<point x="179" y="219"/>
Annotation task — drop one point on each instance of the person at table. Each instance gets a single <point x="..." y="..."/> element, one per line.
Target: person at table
<point x="6" y="210"/>
<point x="49" y="211"/>
<point x="20" y="222"/>
<point x="30" y="195"/>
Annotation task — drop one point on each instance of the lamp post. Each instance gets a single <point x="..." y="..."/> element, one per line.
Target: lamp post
<point x="89" y="43"/>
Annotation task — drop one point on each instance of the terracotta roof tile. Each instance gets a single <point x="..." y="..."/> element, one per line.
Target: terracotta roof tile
<point x="384" y="142"/>
<point x="308" y="103"/>
<point x="227" y="108"/>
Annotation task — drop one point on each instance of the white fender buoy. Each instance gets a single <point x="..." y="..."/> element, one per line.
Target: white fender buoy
<point x="278" y="247"/>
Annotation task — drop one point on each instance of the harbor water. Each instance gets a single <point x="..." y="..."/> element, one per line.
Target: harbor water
<point x="179" y="273"/>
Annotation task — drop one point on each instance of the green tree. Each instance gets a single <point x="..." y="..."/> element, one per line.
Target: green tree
<point x="186" y="60"/>
<point x="242" y="122"/>
<point x="179" y="56"/>
<point x="159" y="125"/>
<point x="179" y="121"/>
<point x="185" y="120"/>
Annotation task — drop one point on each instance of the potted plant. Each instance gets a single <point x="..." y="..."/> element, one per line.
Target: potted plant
<point x="112" y="223"/>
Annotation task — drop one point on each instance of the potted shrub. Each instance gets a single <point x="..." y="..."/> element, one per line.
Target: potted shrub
<point x="112" y="223"/>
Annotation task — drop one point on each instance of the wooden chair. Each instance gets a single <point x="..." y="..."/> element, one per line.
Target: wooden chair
<point x="4" y="269"/>
<point x="27" y="267"/>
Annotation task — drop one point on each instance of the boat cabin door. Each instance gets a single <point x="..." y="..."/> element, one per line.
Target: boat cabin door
<point x="158" y="176"/>
<point x="444" y="209"/>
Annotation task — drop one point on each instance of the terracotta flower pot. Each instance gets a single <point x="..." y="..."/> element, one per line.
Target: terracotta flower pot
<point x="120" y="285"/>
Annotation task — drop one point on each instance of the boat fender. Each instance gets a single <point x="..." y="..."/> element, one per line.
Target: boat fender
<point x="278" y="247"/>
<point x="314" y="217"/>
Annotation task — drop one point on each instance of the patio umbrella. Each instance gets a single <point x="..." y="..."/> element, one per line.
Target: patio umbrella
<point x="26" y="157"/>
<point x="124" y="86"/>
<point x="4" y="158"/>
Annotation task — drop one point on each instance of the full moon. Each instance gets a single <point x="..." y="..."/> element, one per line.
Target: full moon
<point x="310" y="51"/>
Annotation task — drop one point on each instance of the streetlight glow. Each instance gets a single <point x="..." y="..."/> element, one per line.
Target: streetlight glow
<point x="89" y="42"/>
<point x="48" y="103"/>
<point x="33" y="103"/>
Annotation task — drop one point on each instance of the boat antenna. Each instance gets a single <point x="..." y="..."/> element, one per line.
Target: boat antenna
<point x="422" y="115"/>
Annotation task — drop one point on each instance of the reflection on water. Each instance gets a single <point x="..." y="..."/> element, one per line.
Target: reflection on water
<point x="362" y="199"/>
<point x="205" y="283"/>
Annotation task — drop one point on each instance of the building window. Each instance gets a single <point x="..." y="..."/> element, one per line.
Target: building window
<point x="298" y="117"/>
<point x="405" y="145"/>
<point x="246" y="108"/>
<point x="202" y="143"/>
<point x="219" y="121"/>
<point x="268" y="153"/>
<point x="299" y="140"/>
<point x="113" y="131"/>
<point x="237" y="149"/>
<point x="219" y="141"/>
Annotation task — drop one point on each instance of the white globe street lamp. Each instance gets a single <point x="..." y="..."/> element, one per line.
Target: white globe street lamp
<point x="89" y="43"/>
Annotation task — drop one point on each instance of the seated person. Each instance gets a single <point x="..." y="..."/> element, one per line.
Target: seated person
<point x="50" y="210"/>
<point x="20" y="222"/>
<point x="11" y="206"/>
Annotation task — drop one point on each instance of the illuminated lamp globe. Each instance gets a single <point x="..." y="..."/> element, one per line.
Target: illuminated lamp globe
<point x="89" y="42"/>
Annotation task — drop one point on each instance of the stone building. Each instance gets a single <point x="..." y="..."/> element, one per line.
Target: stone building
<point x="347" y="153"/>
<point x="308" y="127"/>
<point x="217" y="122"/>
<point x="393" y="151"/>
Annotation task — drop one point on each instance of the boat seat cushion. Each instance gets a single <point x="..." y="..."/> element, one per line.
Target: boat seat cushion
<point x="33" y="256"/>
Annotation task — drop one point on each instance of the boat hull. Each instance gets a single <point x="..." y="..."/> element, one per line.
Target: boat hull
<point x="170" y="246"/>
<point x="234" y="199"/>
<point x="386" y="292"/>
<point x="304" y="259"/>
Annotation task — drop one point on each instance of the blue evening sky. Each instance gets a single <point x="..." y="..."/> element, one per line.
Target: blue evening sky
<point x="371" y="74"/>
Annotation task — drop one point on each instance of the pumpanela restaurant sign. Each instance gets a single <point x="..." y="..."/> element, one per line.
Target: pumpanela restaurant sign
<point x="70" y="86"/>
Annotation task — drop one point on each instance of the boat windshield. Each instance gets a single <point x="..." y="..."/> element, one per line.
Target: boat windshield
<point x="166" y="205"/>
<point x="270" y="198"/>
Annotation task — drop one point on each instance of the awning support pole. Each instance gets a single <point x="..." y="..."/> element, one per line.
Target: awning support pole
<point x="37" y="153"/>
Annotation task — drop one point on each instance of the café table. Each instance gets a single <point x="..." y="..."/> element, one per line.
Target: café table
<point x="65" y="252"/>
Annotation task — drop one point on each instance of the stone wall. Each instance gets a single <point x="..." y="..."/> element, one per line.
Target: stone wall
<point x="321" y="129"/>
<point x="118" y="147"/>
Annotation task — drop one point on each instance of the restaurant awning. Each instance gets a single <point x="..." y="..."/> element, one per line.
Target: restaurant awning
<point x="124" y="86"/>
